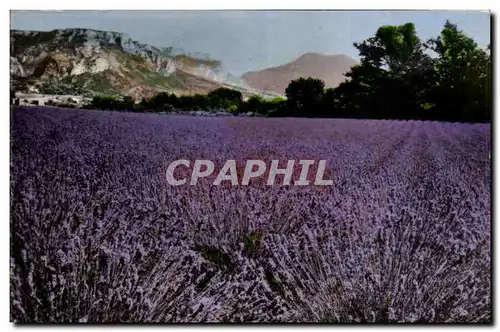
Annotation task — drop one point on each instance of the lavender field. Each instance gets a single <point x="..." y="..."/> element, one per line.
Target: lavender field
<point x="98" y="235"/>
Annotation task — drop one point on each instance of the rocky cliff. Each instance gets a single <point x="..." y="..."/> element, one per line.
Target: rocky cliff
<point x="85" y="61"/>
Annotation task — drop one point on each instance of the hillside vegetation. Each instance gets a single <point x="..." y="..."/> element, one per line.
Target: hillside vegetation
<point x="94" y="62"/>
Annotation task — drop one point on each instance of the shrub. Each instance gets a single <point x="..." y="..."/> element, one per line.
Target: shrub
<point x="233" y="108"/>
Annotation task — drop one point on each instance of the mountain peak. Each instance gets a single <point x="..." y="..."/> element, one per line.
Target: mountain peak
<point x="309" y="55"/>
<point x="90" y="61"/>
<point x="328" y="68"/>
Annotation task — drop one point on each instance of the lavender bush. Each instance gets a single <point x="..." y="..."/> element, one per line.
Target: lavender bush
<point x="98" y="235"/>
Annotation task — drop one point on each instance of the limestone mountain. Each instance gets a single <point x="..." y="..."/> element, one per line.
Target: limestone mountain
<point x="329" y="68"/>
<point x="88" y="62"/>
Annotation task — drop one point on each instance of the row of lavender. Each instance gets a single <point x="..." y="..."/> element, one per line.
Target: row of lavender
<point x="98" y="235"/>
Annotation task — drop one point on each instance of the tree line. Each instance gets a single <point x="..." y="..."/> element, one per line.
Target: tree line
<point x="400" y="77"/>
<point x="221" y="99"/>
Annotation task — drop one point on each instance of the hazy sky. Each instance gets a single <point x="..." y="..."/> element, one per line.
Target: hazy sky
<point x="249" y="40"/>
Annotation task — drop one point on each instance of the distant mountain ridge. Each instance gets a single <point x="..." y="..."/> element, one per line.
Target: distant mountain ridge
<point x="107" y="62"/>
<point x="89" y="62"/>
<point x="329" y="68"/>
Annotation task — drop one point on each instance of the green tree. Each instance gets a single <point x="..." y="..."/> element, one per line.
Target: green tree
<point x="463" y="75"/>
<point x="304" y="97"/>
<point x="254" y="104"/>
<point x="224" y="98"/>
<point x="329" y="103"/>
<point x="128" y="102"/>
<point x="201" y="101"/>
<point x="392" y="77"/>
<point x="276" y="107"/>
